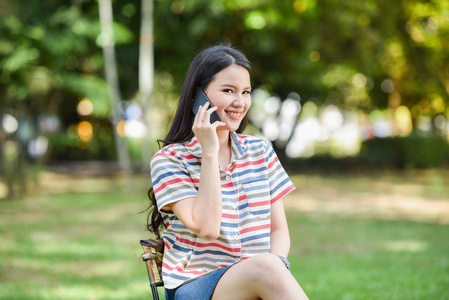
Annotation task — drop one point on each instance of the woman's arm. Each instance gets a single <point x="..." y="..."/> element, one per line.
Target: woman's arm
<point x="202" y="215"/>
<point x="280" y="237"/>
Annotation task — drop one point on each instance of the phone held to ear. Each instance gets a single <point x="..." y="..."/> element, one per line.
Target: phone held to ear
<point x="199" y="99"/>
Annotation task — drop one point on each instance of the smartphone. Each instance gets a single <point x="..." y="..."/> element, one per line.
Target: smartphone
<point x="200" y="99"/>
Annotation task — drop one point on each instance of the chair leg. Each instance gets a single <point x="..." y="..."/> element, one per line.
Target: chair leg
<point x="154" y="291"/>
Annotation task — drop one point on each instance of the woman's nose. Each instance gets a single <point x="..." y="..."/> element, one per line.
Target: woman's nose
<point x="238" y="101"/>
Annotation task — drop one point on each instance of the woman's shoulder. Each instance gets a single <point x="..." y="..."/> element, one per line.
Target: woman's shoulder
<point x="178" y="150"/>
<point x="169" y="150"/>
<point x="254" y="141"/>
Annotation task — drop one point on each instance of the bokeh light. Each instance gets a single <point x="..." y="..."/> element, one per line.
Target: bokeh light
<point x="272" y="105"/>
<point x="299" y="6"/>
<point x="121" y="128"/>
<point x="288" y="118"/>
<point x="9" y="124"/>
<point x="177" y="7"/>
<point x="85" y="107"/>
<point x="302" y="143"/>
<point x="424" y="124"/>
<point x="331" y="118"/>
<point x="255" y="20"/>
<point x="135" y="129"/>
<point x="440" y="122"/>
<point x="85" y="130"/>
<point x="314" y="56"/>
<point x="38" y="146"/>
<point x="270" y="128"/>
<point x="49" y="123"/>
<point x="403" y="121"/>
<point x="359" y="80"/>
<point x="11" y="150"/>
<point x="133" y="112"/>
<point x="387" y="86"/>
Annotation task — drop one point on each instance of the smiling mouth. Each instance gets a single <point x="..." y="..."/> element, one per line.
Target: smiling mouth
<point x="234" y="115"/>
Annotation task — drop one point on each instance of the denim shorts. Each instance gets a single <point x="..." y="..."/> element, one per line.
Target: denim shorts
<point x="201" y="288"/>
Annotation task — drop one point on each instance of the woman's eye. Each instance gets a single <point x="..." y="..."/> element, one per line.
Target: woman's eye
<point x="227" y="91"/>
<point x="247" y="92"/>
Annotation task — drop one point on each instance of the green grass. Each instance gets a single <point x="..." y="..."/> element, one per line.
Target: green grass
<point x="73" y="246"/>
<point x="346" y="258"/>
<point x="86" y="245"/>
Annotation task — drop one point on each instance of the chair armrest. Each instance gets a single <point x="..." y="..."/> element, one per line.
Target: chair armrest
<point x="153" y="253"/>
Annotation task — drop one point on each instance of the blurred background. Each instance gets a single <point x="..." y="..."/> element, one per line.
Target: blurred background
<point x="354" y="97"/>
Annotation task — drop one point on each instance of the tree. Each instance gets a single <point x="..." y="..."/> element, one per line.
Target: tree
<point x="113" y="81"/>
<point x="146" y="74"/>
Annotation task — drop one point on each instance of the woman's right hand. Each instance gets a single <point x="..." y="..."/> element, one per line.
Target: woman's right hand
<point x="205" y="131"/>
<point x="191" y="211"/>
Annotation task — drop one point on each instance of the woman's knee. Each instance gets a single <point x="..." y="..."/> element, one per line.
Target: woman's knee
<point x="268" y="268"/>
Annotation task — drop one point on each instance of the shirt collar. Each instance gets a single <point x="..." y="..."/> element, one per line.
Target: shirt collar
<point x="238" y="145"/>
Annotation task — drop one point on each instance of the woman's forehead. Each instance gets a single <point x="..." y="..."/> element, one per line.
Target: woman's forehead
<point x="234" y="75"/>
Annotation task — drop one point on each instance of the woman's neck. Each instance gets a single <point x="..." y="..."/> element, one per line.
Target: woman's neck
<point x="224" y="154"/>
<point x="224" y="138"/>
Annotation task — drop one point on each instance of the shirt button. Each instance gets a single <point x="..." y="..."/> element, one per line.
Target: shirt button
<point x="234" y="206"/>
<point x="236" y="237"/>
<point x="228" y="177"/>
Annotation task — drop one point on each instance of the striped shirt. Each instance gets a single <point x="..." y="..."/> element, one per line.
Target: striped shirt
<point x="253" y="181"/>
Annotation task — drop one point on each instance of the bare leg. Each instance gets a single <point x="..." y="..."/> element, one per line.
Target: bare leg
<point x="261" y="277"/>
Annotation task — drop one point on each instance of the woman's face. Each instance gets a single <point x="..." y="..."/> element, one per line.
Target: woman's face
<point x="230" y="91"/>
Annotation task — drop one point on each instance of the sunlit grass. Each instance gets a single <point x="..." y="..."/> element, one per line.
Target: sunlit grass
<point x="86" y="245"/>
<point x="73" y="246"/>
<point x="345" y="258"/>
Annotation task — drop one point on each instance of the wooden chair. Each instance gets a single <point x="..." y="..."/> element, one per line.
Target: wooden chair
<point x="153" y="250"/>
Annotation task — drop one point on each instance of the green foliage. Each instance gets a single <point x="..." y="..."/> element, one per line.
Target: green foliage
<point x="70" y="147"/>
<point x="91" y="87"/>
<point x="414" y="151"/>
<point x="336" y="52"/>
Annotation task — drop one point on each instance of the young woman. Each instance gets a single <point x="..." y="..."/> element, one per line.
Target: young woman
<point x="219" y="193"/>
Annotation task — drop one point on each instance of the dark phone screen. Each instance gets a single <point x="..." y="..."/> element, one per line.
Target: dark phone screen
<point x="200" y="99"/>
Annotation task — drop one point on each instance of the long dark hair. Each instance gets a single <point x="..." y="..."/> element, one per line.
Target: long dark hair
<point x="201" y="72"/>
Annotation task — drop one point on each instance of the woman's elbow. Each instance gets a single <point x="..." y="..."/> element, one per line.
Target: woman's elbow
<point x="208" y="234"/>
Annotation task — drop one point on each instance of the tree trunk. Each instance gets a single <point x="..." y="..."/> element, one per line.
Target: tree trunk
<point x="146" y="76"/>
<point x="107" y="41"/>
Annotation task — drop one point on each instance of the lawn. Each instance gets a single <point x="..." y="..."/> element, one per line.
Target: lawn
<point x="383" y="236"/>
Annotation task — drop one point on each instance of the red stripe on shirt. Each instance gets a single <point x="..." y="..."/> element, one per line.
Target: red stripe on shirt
<point x="254" y="228"/>
<point x="285" y="191"/>
<point x="242" y="197"/>
<point x="218" y="246"/>
<point x="190" y="180"/>
<point x="167" y="246"/>
<point x="251" y="163"/>
<point x="179" y="269"/>
<point x="200" y="245"/>
<point x="272" y="163"/>
<point x="259" y="203"/>
<point x="188" y="156"/>
<point x="192" y="143"/>
<point x="227" y="185"/>
<point x="229" y="216"/>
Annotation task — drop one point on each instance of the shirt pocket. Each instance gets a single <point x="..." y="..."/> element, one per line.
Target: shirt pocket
<point x="257" y="193"/>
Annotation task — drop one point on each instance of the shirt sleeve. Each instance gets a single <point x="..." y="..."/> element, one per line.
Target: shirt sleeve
<point x="280" y="183"/>
<point x="171" y="180"/>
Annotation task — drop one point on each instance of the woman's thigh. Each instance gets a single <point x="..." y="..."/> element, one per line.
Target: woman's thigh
<point x="260" y="276"/>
